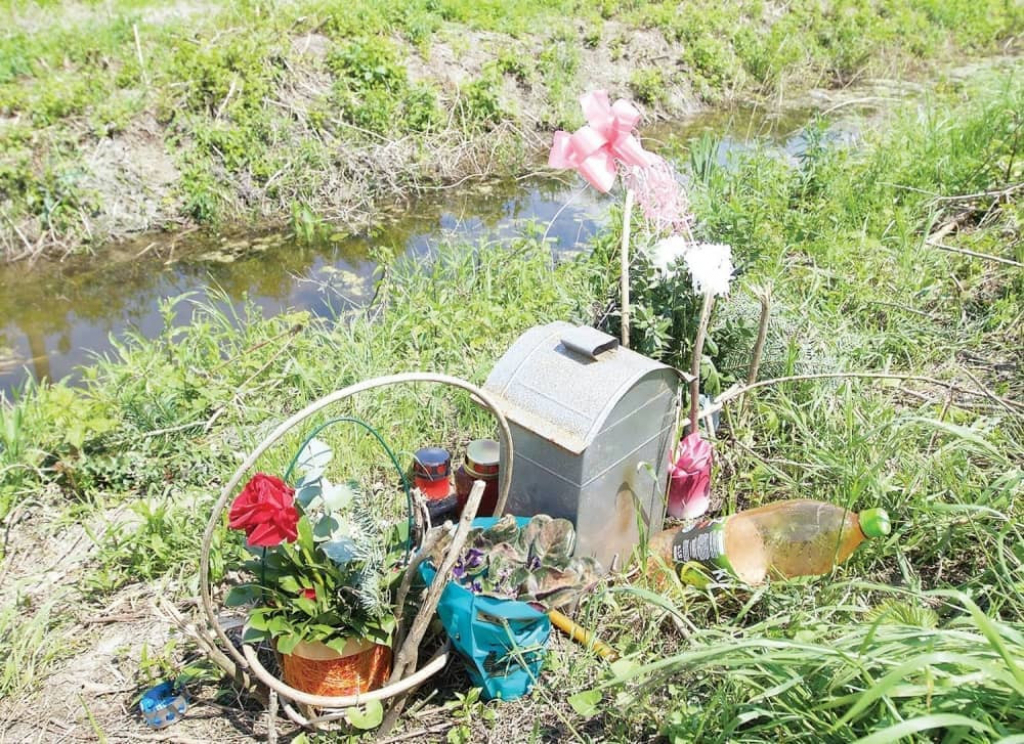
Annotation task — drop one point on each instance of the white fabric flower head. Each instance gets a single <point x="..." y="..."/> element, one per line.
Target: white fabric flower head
<point x="710" y="267"/>
<point x="666" y="253"/>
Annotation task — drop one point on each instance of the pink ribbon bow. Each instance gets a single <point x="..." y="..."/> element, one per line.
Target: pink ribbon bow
<point x="690" y="486"/>
<point x="607" y="137"/>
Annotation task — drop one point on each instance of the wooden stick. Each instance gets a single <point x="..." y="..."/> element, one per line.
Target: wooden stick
<point x="408" y="655"/>
<point x="627" y="221"/>
<point x="406" y="658"/>
<point x="272" y="718"/>
<point x="208" y="645"/>
<point x="429" y="541"/>
<point x="698" y="352"/>
<point x="765" y="298"/>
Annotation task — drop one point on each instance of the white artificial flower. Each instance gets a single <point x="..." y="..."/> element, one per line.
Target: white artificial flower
<point x="710" y="267"/>
<point x="665" y="254"/>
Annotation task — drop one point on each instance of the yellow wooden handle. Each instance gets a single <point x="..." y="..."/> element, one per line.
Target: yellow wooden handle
<point x="581" y="635"/>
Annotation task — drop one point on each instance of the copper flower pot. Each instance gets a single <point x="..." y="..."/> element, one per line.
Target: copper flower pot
<point x="319" y="670"/>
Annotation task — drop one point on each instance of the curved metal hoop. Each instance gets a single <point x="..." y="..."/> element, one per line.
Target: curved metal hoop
<point x="246" y="658"/>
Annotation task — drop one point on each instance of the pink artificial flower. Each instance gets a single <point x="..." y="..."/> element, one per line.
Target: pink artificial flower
<point x="690" y="486"/>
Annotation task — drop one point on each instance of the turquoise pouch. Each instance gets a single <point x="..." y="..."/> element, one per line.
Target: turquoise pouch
<point x="501" y="641"/>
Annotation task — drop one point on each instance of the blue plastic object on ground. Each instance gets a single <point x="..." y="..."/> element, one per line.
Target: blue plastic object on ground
<point x="501" y="641"/>
<point x="163" y="705"/>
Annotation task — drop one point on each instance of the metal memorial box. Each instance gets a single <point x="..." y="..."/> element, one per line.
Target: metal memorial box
<point x="590" y="422"/>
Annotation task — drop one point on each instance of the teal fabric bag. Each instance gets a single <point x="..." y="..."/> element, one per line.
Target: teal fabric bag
<point x="501" y="641"/>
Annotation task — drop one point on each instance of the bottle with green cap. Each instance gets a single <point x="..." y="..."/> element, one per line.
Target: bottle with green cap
<point x="799" y="537"/>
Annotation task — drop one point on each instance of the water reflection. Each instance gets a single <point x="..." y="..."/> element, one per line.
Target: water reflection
<point x="56" y="316"/>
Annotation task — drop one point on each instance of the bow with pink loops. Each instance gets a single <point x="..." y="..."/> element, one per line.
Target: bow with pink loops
<point x="606" y="138"/>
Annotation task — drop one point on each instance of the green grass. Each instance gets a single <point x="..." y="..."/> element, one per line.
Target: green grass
<point x="919" y="635"/>
<point x="254" y="125"/>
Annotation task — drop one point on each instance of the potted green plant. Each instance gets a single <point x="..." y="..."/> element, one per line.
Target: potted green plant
<point x="322" y="569"/>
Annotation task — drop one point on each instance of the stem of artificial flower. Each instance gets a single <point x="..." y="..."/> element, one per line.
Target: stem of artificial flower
<point x="263" y="568"/>
<point x="698" y="352"/>
<point x="627" y="221"/>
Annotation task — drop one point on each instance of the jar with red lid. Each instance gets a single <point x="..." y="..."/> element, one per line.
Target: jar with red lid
<point x="482" y="457"/>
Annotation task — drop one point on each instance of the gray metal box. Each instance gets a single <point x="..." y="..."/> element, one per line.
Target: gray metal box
<point x="586" y="416"/>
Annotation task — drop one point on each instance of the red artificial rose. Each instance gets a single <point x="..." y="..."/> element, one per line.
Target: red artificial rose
<point x="265" y="509"/>
<point x="309" y="593"/>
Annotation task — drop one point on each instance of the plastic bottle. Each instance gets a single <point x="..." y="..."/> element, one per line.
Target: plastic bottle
<point x="800" y="537"/>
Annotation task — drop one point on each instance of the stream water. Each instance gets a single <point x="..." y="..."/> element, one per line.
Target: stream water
<point x="56" y="316"/>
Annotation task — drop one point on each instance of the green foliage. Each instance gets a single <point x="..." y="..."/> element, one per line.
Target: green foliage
<point x="465" y="709"/>
<point x="158" y="539"/>
<point x="372" y="89"/>
<point x="25" y="653"/>
<point x="648" y="85"/>
<point x="558" y="65"/>
<point x="479" y="104"/>
<point x="517" y="64"/>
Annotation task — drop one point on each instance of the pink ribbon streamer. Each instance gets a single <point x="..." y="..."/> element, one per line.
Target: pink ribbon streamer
<point x="606" y="138"/>
<point x="661" y="197"/>
<point x="690" y="486"/>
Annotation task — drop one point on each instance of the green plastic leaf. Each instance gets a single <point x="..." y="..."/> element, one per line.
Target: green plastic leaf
<point x="307" y="494"/>
<point x="341" y="550"/>
<point x="278" y="626"/>
<point x="287" y="642"/>
<point x="325" y="527"/>
<point x="257" y="621"/>
<point x="289" y="584"/>
<point x="314" y="457"/>
<point x="307" y="605"/>
<point x="252" y="635"/>
<point x="367" y="717"/>
<point x="586" y="703"/>
<point x="336" y="496"/>
<point x="242" y="594"/>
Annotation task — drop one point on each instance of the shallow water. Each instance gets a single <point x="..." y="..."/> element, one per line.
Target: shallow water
<point x="56" y="316"/>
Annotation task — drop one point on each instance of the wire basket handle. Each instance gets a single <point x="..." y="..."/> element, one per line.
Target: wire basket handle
<point x="246" y="658"/>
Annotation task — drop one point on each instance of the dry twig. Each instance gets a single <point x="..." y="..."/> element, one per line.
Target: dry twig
<point x="408" y="655"/>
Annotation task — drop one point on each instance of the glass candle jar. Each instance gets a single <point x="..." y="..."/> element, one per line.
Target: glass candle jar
<point x="431" y="472"/>
<point x="482" y="457"/>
